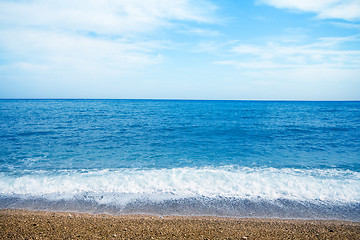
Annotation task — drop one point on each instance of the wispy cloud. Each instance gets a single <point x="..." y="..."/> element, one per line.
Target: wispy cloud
<point x="95" y="39"/>
<point x="104" y="17"/>
<point x="324" y="52"/>
<point x="202" y="32"/>
<point x="56" y="49"/>
<point x="337" y="9"/>
<point x="301" y="69"/>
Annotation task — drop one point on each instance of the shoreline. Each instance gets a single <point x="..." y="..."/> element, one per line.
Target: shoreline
<point x="18" y="224"/>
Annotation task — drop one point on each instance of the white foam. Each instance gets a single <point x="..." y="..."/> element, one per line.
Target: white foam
<point x="124" y="185"/>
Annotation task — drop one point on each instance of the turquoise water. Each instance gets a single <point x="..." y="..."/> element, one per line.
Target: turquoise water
<point x="224" y="158"/>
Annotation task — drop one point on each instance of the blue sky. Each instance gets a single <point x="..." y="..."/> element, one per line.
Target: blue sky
<point x="180" y="49"/>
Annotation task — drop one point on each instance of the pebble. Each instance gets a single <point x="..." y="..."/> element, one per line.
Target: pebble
<point x="175" y="228"/>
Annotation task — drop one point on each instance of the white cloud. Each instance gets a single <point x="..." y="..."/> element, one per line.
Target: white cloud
<point x="89" y="37"/>
<point x="326" y="68"/>
<point x="324" y="52"/>
<point x="347" y="25"/>
<point x="202" y="32"/>
<point x="73" y="53"/>
<point x="102" y="16"/>
<point x="337" y="9"/>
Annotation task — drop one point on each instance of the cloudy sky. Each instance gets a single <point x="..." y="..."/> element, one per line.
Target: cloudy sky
<point x="187" y="49"/>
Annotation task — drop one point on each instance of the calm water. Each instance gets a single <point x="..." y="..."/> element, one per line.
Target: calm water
<point x="227" y="158"/>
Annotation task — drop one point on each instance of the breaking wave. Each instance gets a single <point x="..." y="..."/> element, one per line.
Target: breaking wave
<point x="225" y="191"/>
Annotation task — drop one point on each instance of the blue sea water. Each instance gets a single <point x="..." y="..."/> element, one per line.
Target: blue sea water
<point x="176" y="157"/>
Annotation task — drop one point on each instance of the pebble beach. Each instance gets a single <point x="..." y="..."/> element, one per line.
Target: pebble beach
<point x="24" y="224"/>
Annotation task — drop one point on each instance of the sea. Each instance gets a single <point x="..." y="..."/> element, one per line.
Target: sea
<point x="246" y="159"/>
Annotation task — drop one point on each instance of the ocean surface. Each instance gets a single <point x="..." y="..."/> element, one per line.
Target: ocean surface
<point x="176" y="157"/>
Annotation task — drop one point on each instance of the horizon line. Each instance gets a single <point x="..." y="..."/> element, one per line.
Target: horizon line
<point x="192" y="99"/>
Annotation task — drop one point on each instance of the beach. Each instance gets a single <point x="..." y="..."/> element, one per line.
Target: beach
<point x="24" y="224"/>
<point x="176" y="169"/>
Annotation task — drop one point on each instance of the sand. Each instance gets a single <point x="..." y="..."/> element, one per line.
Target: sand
<point x="23" y="224"/>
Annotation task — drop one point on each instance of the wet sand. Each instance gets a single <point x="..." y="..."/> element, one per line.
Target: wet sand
<point x="23" y="224"/>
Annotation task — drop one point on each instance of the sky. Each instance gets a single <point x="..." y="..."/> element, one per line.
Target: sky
<point x="180" y="49"/>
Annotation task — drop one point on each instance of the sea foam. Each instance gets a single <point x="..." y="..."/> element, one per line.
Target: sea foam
<point x="220" y="191"/>
<point x="159" y="184"/>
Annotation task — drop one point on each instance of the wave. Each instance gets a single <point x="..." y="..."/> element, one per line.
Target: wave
<point x="220" y="191"/>
<point x="265" y="183"/>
